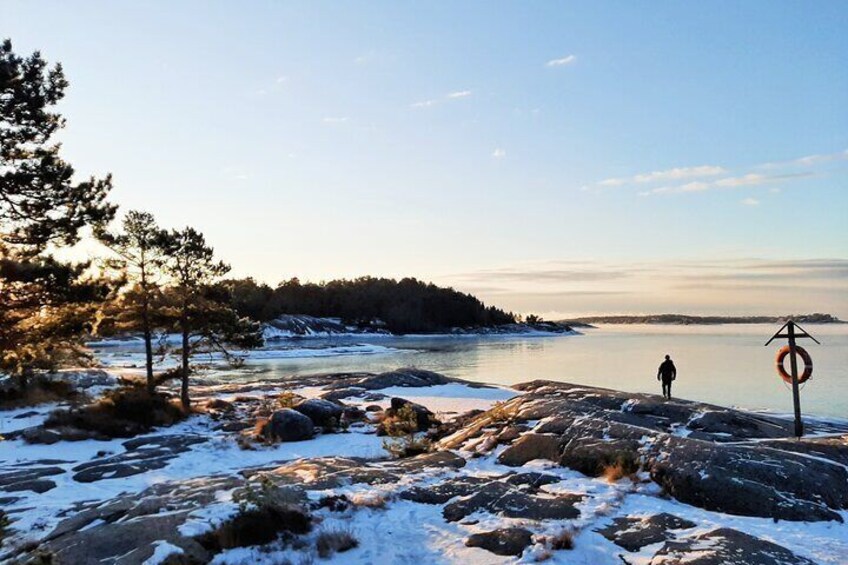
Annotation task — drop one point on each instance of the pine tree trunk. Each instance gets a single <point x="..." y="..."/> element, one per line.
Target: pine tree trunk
<point x="23" y="379"/>
<point x="148" y="337"/>
<point x="185" y="368"/>
<point x="148" y="350"/>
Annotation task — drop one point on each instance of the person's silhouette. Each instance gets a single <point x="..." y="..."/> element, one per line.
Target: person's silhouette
<point x="667" y="373"/>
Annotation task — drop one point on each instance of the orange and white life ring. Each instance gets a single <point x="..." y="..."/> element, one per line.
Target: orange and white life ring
<point x="783" y="353"/>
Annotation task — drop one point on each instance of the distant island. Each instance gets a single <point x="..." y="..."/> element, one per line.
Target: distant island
<point x="371" y="305"/>
<point x="687" y="320"/>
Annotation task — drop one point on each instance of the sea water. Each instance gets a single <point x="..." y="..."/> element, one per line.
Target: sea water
<point x="722" y="364"/>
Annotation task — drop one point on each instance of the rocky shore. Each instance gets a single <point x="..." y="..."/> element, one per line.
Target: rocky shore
<point x="303" y="326"/>
<point x="411" y="466"/>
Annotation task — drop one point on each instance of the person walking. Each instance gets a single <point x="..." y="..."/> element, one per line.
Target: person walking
<point x="667" y="373"/>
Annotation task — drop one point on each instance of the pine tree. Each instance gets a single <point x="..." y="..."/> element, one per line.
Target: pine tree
<point x="39" y="201"/>
<point x="45" y="305"/>
<point x="200" y="309"/>
<point x="139" y="250"/>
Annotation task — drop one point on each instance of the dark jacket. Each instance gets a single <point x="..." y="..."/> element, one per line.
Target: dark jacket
<point x="667" y="370"/>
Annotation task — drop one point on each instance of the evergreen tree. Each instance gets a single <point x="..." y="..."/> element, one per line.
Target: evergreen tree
<point x="45" y="305"/>
<point x="199" y="309"/>
<point x="39" y="201"/>
<point x="139" y="250"/>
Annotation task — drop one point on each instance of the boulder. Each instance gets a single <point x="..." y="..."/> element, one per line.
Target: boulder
<point x="514" y="502"/>
<point x="353" y="414"/>
<point x="748" y="480"/>
<point x="407" y="377"/>
<point x="289" y="425"/>
<point x="323" y="413"/>
<point x="507" y="541"/>
<point x="634" y="533"/>
<point x="511" y="433"/>
<point x="726" y="546"/>
<point x="530" y="447"/>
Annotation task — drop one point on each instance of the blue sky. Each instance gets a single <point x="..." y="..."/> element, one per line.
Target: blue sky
<point x="487" y="145"/>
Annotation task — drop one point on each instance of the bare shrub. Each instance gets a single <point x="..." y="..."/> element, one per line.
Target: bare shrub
<point x="124" y="412"/>
<point x="407" y="446"/>
<point x="255" y="526"/>
<point x="288" y="399"/>
<point x="269" y="495"/>
<point x="38" y="391"/>
<point x="337" y="540"/>
<point x="625" y="464"/>
<point x="265" y="511"/>
<point x="563" y="540"/>
<point x="499" y="412"/>
<point x="403" y="422"/>
<point x="259" y="427"/>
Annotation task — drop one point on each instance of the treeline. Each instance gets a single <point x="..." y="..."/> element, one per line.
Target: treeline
<point x="148" y="279"/>
<point x="404" y="306"/>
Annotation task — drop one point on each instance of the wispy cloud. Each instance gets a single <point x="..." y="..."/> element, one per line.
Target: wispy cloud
<point x="561" y="62"/>
<point x="499" y="153"/>
<point x="429" y="103"/>
<point x="699" y="176"/>
<point x="750" y="179"/>
<point x="424" y="104"/>
<point x="714" y="270"/>
<point x="550" y="272"/>
<point x="335" y="120"/>
<point x="807" y="161"/>
<point x="676" y="173"/>
<point x="708" y="286"/>
<point x="750" y="202"/>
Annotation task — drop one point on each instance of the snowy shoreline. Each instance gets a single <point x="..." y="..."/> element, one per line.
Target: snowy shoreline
<point x="201" y="453"/>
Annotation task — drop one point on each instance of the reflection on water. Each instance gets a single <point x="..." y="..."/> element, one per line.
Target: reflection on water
<point x="726" y="365"/>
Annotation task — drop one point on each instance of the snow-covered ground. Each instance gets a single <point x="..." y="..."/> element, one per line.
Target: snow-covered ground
<point x="401" y="532"/>
<point x="36" y="514"/>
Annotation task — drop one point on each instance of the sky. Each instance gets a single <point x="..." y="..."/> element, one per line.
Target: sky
<point x="562" y="158"/>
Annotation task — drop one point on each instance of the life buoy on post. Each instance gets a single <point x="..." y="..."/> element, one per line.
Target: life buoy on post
<point x="783" y="352"/>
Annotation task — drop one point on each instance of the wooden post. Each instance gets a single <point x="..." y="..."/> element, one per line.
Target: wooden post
<point x="793" y="363"/>
<point x="793" y="332"/>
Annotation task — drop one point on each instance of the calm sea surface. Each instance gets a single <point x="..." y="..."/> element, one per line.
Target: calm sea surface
<point x="726" y="365"/>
